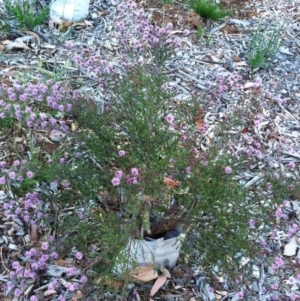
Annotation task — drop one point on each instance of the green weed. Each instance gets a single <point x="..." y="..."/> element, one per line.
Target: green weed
<point x="209" y="10"/>
<point x="6" y="123"/>
<point x="265" y="45"/>
<point x="164" y="2"/>
<point x="200" y="32"/>
<point x="25" y="15"/>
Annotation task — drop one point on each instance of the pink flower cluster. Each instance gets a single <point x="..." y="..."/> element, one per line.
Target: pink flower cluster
<point x="29" y="209"/>
<point x="130" y="179"/>
<point x="223" y="84"/>
<point x="138" y="36"/>
<point x="23" y="101"/>
<point x="16" y="173"/>
<point x="21" y="277"/>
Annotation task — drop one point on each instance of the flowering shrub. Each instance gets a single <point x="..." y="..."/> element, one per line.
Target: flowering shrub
<point x="137" y="157"/>
<point x="16" y="102"/>
<point x="21" y="277"/>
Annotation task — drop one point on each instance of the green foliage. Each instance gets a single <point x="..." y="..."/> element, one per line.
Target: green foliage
<point x="218" y="208"/>
<point x="265" y="45"/>
<point x="25" y="15"/>
<point x="27" y="185"/>
<point x="200" y="32"/>
<point x="209" y="10"/>
<point x="164" y="2"/>
<point x="4" y="26"/>
<point x="6" y="123"/>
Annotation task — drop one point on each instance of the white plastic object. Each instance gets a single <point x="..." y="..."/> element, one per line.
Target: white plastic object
<point x="146" y="252"/>
<point x="68" y="10"/>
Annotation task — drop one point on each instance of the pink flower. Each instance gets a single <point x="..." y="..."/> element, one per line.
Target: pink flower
<point x="134" y="171"/>
<point x="29" y="174"/>
<point x="188" y="170"/>
<point x="170" y="118"/>
<point x="61" y="298"/>
<point x="278" y="213"/>
<point x="17" y="292"/>
<point x="79" y="214"/>
<point x="45" y="246"/>
<point x="12" y="175"/>
<point x="121" y="153"/>
<point x="183" y="138"/>
<point x="240" y="295"/>
<point x="71" y="271"/>
<point x="285" y="203"/>
<point x="186" y="32"/>
<point x="2" y="180"/>
<point x="132" y="180"/>
<point x="15" y="265"/>
<point x="258" y="80"/>
<point x="278" y="261"/>
<point x="78" y="255"/>
<point x="115" y="181"/>
<point x="119" y="174"/>
<point x="276" y="176"/>
<point x="228" y="170"/>
<point x="251" y="222"/>
<point x="69" y="286"/>
<point x="195" y="151"/>
<point x="16" y="163"/>
<point x="291" y="165"/>
<point x="169" y="26"/>
<point x="83" y="279"/>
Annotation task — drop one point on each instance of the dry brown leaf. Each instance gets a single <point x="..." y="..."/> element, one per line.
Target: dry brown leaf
<point x="74" y="127"/>
<point x="147" y="198"/>
<point x="17" y="44"/>
<point x="88" y="23"/>
<point x="68" y="262"/>
<point x="77" y="297"/>
<point x="5" y="42"/>
<point x="165" y="272"/>
<point x="64" y="25"/>
<point x="102" y="13"/>
<point x="34" y="232"/>
<point x="241" y="64"/>
<point x="160" y="281"/>
<point x="33" y="34"/>
<point x="144" y="273"/>
<point x="110" y="282"/>
<point x="222" y="293"/>
<point x="49" y="292"/>
<point x="171" y="183"/>
<point x="200" y="120"/>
